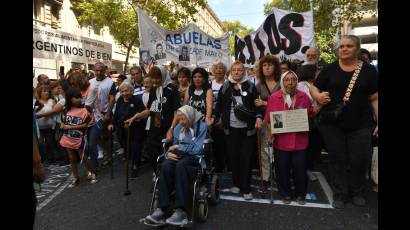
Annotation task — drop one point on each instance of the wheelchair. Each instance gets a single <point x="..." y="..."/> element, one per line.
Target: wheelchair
<point x="205" y="186"/>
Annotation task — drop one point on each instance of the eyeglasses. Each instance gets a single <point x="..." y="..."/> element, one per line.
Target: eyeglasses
<point x="347" y="46"/>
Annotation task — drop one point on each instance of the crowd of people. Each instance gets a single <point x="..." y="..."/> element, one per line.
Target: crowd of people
<point x="80" y="113"/>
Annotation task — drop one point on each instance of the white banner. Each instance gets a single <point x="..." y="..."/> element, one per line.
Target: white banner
<point x="284" y="34"/>
<point x="54" y="44"/>
<point x="189" y="45"/>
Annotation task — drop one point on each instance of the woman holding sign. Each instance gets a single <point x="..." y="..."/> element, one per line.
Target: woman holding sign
<point x="290" y="147"/>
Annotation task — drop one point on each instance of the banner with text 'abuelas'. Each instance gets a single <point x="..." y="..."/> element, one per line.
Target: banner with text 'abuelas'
<point x="189" y="45"/>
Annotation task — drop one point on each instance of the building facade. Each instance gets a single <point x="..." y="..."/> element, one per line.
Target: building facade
<point x="366" y="29"/>
<point x="207" y="20"/>
<point x="58" y="15"/>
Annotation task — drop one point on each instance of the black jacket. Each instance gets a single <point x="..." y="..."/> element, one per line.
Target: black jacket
<point x="224" y="104"/>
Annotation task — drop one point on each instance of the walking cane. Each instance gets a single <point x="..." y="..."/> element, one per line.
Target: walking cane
<point x="258" y="152"/>
<point x="111" y="158"/>
<point x="127" y="191"/>
<point x="270" y="148"/>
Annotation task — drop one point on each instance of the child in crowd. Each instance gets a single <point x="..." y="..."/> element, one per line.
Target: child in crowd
<point x="74" y="123"/>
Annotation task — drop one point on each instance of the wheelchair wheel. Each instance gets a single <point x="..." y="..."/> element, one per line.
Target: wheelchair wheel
<point x="214" y="199"/>
<point x="203" y="211"/>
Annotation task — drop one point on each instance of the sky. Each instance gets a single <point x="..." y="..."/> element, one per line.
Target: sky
<point x="248" y="12"/>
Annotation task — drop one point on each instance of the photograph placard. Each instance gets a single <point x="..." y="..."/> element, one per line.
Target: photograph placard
<point x="289" y="121"/>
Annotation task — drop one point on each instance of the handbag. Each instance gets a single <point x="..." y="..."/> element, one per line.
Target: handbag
<point x="241" y="112"/>
<point x="333" y="113"/>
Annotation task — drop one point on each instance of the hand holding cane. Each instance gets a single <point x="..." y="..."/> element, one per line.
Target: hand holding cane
<point x="270" y="148"/>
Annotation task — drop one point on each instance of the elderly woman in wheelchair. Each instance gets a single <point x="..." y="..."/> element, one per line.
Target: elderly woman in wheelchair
<point x="180" y="166"/>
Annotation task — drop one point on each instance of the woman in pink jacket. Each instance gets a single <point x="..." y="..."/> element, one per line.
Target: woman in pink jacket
<point x="290" y="148"/>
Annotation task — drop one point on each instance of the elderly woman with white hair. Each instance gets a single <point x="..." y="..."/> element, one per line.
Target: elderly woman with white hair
<point x="127" y="106"/>
<point x="290" y="148"/>
<point x="180" y="166"/>
<point x="239" y="126"/>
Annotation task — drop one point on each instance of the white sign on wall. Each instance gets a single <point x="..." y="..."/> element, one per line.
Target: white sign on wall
<point x="58" y="45"/>
<point x="285" y="34"/>
<point x="187" y="46"/>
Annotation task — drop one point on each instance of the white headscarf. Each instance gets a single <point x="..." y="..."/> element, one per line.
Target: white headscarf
<point x="165" y="79"/>
<point x="244" y="79"/>
<point x="288" y="97"/>
<point x="192" y="115"/>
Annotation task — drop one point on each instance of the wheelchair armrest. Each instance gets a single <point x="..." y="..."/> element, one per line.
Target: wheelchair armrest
<point x="208" y="141"/>
<point x="161" y="157"/>
<point x="165" y="143"/>
<point x="165" y="140"/>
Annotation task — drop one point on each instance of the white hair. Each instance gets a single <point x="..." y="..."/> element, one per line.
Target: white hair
<point x="126" y="83"/>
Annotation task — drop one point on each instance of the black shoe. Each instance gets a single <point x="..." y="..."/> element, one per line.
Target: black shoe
<point x="359" y="201"/>
<point x="287" y="200"/>
<point x="301" y="200"/>
<point x="339" y="204"/>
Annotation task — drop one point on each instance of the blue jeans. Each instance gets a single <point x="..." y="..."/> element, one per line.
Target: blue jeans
<point x="94" y="134"/>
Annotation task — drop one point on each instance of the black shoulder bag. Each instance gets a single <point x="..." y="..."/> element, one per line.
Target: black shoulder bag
<point x="333" y="113"/>
<point x="241" y="112"/>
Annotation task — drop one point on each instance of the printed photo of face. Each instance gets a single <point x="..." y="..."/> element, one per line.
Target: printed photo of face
<point x="160" y="54"/>
<point x="184" y="55"/>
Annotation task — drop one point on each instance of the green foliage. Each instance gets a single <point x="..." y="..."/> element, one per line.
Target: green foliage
<point x="233" y="28"/>
<point x="328" y="15"/>
<point x="122" y="21"/>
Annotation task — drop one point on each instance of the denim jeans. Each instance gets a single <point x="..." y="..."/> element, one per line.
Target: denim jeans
<point x="94" y="134"/>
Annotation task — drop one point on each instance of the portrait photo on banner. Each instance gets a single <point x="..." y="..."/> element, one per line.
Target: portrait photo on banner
<point x="184" y="54"/>
<point x="160" y="51"/>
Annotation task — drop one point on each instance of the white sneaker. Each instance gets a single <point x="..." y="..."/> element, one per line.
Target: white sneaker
<point x="100" y="152"/>
<point x="120" y="151"/>
<point x="248" y="196"/>
<point x="235" y="190"/>
<point x="93" y="179"/>
<point x="74" y="182"/>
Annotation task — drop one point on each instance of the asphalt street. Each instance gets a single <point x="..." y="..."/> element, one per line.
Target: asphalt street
<point x="103" y="206"/>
